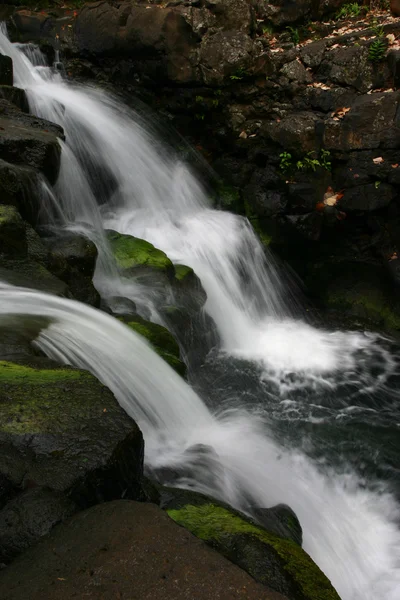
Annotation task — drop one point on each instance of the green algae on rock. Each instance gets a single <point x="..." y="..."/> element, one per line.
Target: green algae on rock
<point x="279" y="563"/>
<point x="160" y="338"/>
<point x="134" y="254"/>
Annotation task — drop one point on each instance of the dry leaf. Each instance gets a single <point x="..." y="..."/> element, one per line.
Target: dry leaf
<point x="356" y="176"/>
<point x="243" y="135"/>
<point x="331" y="198"/>
<point x="391" y="38"/>
<point x="378" y="160"/>
<point x="395" y="166"/>
<point x="394" y="256"/>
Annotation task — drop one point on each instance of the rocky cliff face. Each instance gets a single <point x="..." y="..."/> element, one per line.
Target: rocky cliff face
<point x="294" y="104"/>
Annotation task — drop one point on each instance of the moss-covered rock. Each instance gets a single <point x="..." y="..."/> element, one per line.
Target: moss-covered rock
<point x="279" y="563"/>
<point x="60" y="429"/>
<point x="135" y="256"/>
<point x="31" y="274"/>
<point x="188" y="292"/>
<point x="12" y="232"/>
<point x="160" y="338"/>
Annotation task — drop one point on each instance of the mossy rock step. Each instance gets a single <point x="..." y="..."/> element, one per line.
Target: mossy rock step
<point x="276" y="562"/>
<point x="160" y="338"/>
<point x="12" y="232"/>
<point x="134" y="256"/>
<point x="62" y="430"/>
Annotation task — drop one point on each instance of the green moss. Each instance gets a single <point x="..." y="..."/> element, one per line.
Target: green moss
<point x="13" y="373"/>
<point x="39" y="400"/>
<point x="162" y="341"/>
<point x="213" y="523"/>
<point x="182" y="272"/>
<point x="8" y="214"/>
<point x="131" y="252"/>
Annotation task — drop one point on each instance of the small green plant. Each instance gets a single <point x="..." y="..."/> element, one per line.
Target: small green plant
<point x="294" y="35"/>
<point x="377" y="184"/>
<point x="377" y="29"/>
<point x="200" y="116"/>
<point x="267" y="30"/>
<point x="199" y="98"/>
<point x="240" y="73"/>
<point x="352" y="9"/>
<point x="377" y="50"/>
<point x="307" y="163"/>
<point x="285" y="163"/>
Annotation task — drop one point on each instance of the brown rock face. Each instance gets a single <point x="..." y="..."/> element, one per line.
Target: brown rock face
<point x="395" y="7"/>
<point x="126" y="549"/>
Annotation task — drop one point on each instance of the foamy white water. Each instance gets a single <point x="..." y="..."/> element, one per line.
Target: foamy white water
<point x="349" y="530"/>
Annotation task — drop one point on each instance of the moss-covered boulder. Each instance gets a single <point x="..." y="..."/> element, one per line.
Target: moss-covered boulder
<point x="136" y="257"/>
<point x="276" y="562"/>
<point x="160" y="338"/>
<point x="63" y="431"/>
<point x="32" y="274"/>
<point x="188" y="292"/>
<point x="12" y="232"/>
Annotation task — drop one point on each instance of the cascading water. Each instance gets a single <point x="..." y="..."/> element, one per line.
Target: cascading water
<point x="301" y="374"/>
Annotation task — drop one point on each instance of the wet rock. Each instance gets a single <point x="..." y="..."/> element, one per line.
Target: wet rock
<point x="33" y="275"/>
<point x="160" y="339"/>
<point x="282" y="520"/>
<point x="17" y="189"/>
<point x="296" y="71"/>
<point x="72" y="258"/>
<point x="187" y="289"/>
<point x="15" y="95"/>
<point x="308" y="225"/>
<point x="6" y="70"/>
<point x="121" y="546"/>
<point x="12" y="232"/>
<point x="29" y="141"/>
<point x="274" y="561"/>
<point x="60" y="429"/>
<point x="296" y="132"/>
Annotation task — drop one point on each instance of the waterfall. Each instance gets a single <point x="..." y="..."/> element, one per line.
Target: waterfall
<point x="115" y="174"/>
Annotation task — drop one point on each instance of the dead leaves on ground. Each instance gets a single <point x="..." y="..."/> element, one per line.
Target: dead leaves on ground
<point x="340" y="113"/>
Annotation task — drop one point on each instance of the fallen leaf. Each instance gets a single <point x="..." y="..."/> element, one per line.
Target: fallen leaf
<point x="331" y="197"/>
<point x="356" y="176"/>
<point x="61" y="579"/>
<point x="395" y="166"/>
<point x="104" y="410"/>
<point x="394" y="256"/>
<point x="390" y="38"/>
<point x="378" y="160"/>
<point x="243" y="135"/>
<point x="319" y="206"/>
<point x="341" y="215"/>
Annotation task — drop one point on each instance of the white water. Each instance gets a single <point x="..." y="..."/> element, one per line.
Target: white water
<point x="349" y="531"/>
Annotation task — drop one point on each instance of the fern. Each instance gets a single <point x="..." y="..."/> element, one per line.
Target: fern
<point x="377" y="50"/>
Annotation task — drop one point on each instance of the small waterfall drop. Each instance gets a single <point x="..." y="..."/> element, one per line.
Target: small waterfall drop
<point x="114" y="174"/>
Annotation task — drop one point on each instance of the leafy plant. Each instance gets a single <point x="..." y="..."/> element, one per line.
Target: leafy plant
<point x="240" y="73"/>
<point x="267" y="30"/>
<point x="294" y="34"/>
<point x="352" y="9"/>
<point x="307" y="163"/>
<point x="200" y="116"/>
<point x="377" y="50"/>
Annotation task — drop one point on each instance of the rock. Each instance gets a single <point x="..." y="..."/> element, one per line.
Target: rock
<point x="372" y="122"/>
<point x="276" y="562"/>
<point x="357" y="288"/>
<point x="284" y="12"/>
<point x="30" y="516"/>
<point x="282" y="520"/>
<point x="33" y="275"/>
<point x="261" y="196"/>
<point x="226" y="54"/>
<point x="30" y="141"/>
<point x="15" y="95"/>
<point x="6" y="70"/>
<point x="72" y="258"/>
<point x="188" y="292"/>
<point x="349" y="66"/>
<point x="16" y="182"/>
<point x="160" y="338"/>
<point x="296" y="71"/>
<point x="308" y="225"/>
<point x="312" y="54"/>
<point x="12" y="232"/>
<point x="136" y="257"/>
<point x="367" y="197"/>
<point x="120" y="546"/>
<point x="395" y="7"/>
<point x="297" y="132"/>
<point x="60" y="429"/>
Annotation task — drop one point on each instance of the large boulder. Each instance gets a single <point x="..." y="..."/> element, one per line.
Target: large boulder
<point x="61" y="431"/>
<point x="6" y="70"/>
<point x="124" y="549"/>
<point x="12" y="232"/>
<point x="17" y="187"/>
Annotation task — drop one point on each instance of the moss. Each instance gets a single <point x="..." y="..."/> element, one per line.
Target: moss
<point x="228" y="198"/>
<point x="182" y="272"/>
<point x="162" y="341"/>
<point x="213" y="524"/>
<point x="131" y="252"/>
<point x="38" y="400"/>
<point x="7" y="214"/>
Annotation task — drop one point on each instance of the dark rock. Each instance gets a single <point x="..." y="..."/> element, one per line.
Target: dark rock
<point x="372" y="122"/>
<point x="280" y="519"/>
<point x="296" y="71"/>
<point x="62" y="430"/>
<point x="395" y="7"/>
<point x="312" y="54"/>
<point x="262" y="201"/>
<point x="367" y="197"/>
<point x="119" y="546"/>
<point x="297" y="132"/>
<point x="15" y="95"/>
<point x="307" y="191"/>
<point x="33" y="275"/>
<point x="394" y="65"/>
<point x="6" y="70"/>
<point x="17" y="188"/>
<point x="12" y="232"/>
<point x="308" y="225"/>
<point x="30" y="516"/>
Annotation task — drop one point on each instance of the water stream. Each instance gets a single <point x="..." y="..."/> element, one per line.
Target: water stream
<point x="291" y="413"/>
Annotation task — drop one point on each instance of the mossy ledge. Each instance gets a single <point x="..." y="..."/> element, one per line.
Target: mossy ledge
<point x="227" y="532"/>
<point x="133" y="253"/>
